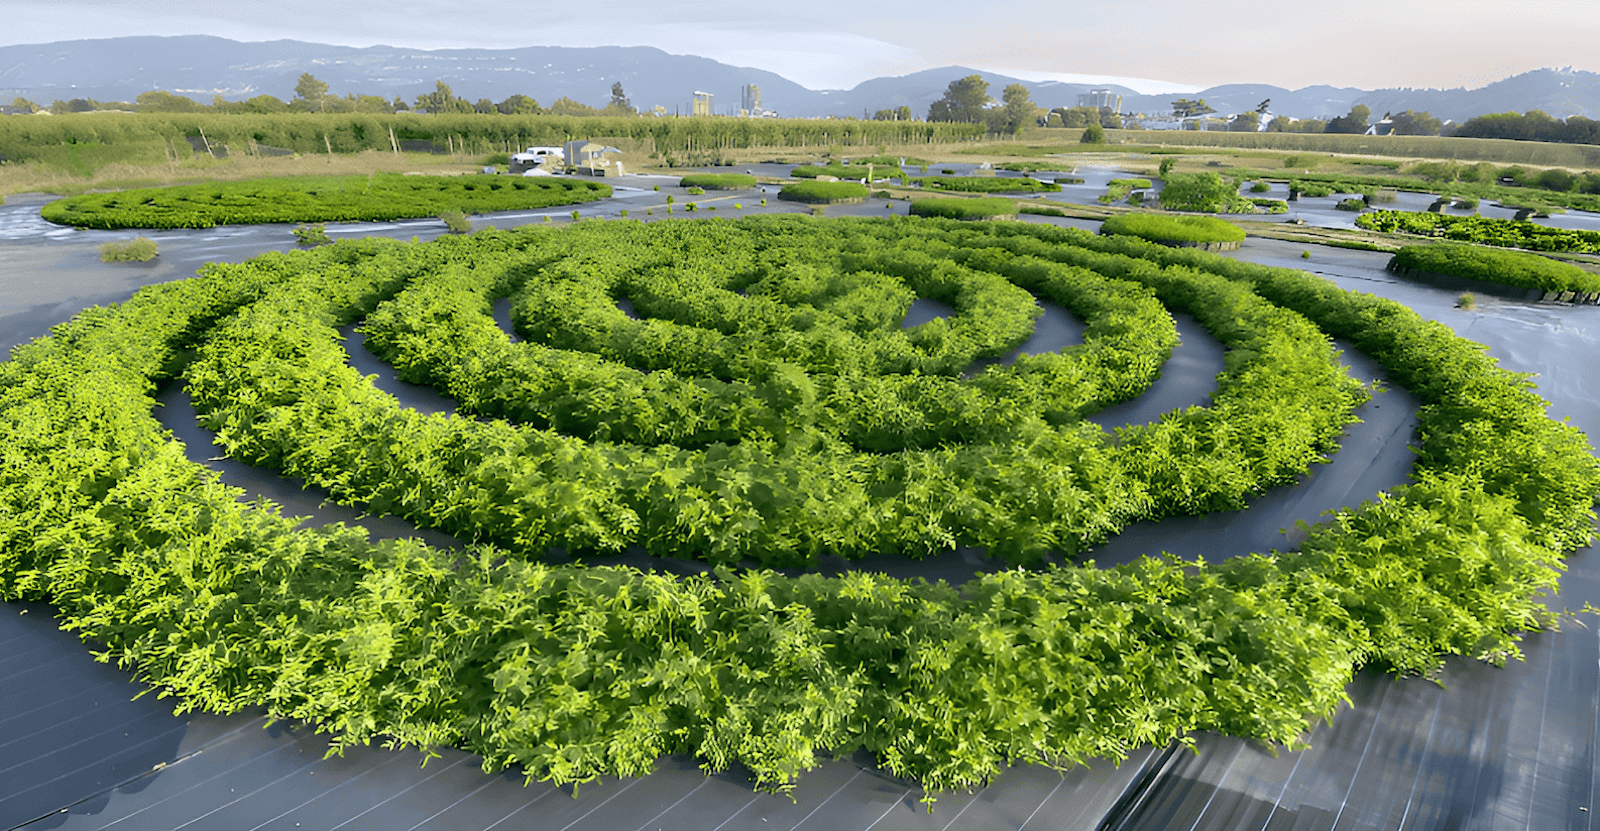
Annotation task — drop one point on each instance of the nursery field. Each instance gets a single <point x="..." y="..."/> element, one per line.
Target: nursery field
<point x="762" y="409"/>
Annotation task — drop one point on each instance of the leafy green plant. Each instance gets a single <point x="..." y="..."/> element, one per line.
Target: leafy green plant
<point x="1513" y="268"/>
<point x="824" y="192"/>
<point x="1467" y="301"/>
<point x="312" y="235"/>
<point x="1164" y="228"/>
<point x="954" y="208"/>
<point x="1482" y="230"/>
<point x="717" y="181"/>
<point x="1202" y="193"/>
<point x="1352" y="204"/>
<point x="694" y="191"/>
<point x="456" y="222"/>
<point x="138" y="249"/>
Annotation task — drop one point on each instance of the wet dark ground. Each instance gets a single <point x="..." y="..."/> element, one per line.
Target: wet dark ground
<point x="1490" y="748"/>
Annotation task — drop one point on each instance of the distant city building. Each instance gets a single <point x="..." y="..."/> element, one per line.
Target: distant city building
<point x="702" y="103"/>
<point x="1100" y="98"/>
<point x="750" y="100"/>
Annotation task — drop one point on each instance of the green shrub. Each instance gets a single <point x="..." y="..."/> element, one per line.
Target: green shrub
<point x="1305" y="255"/>
<point x="839" y="171"/>
<point x="717" y="181"/>
<point x="1041" y="210"/>
<point x="1501" y="233"/>
<point x="1351" y="204"/>
<point x="501" y="159"/>
<point x="1302" y="162"/>
<point x="1203" y="193"/>
<point x="1163" y="228"/>
<point x="695" y="191"/>
<point x="1312" y="189"/>
<point x="456" y="222"/>
<point x="309" y="199"/>
<point x="1093" y="134"/>
<point x="991" y="207"/>
<point x="312" y="236"/>
<point x="1118" y="189"/>
<point x="1260" y="187"/>
<point x="824" y="192"/>
<point x="1467" y="301"/>
<point x="138" y="249"/>
<point x="1271" y="206"/>
<point x="985" y="184"/>
<point x="1494" y="265"/>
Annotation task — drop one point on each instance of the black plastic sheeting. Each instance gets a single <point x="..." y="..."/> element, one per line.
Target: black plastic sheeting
<point x="1490" y="748"/>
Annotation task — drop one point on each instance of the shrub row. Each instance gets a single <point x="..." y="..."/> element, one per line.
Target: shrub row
<point x="380" y="196"/>
<point x="824" y="193"/>
<point x="1504" y="233"/>
<point x="718" y="181"/>
<point x="985" y="184"/>
<point x="1512" y="268"/>
<point x="958" y="208"/>
<point x="1161" y="228"/>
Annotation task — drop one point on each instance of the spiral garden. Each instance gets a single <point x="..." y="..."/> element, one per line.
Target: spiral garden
<point x="765" y="408"/>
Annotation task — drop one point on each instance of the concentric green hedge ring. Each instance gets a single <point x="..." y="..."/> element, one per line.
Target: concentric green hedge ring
<point x="922" y="462"/>
<point x="574" y="672"/>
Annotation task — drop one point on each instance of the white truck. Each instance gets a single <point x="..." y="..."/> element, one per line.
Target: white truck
<point x="542" y="158"/>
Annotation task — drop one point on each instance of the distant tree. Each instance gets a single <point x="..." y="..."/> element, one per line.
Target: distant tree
<point x="964" y="101"/>
<point x="1184" y="108"/>
<point x="1280" y="124"/>
<point x="1077" y="116"/>
<point x="1411" y="123"/>
<point x="1019" y="109"/>
<point x="310" y="91"/>
<point x="1245" y="123"/>
<point x="158" y="101"/>
<point x="884" y="115"/>
<point x="20" y="103"/>
<point x="1354" y="122"/>
<point x="80" y="105"/>
<point x="567" y="106"/>
<point x="399" y="105"/>
<point x="441" y="100"/>
<point x="484" y="106"/>
<point x="619" y="101"/>
<point x="1093" y="134"/>
<point x="368" y="103"/>
<point x="518" y="104"/>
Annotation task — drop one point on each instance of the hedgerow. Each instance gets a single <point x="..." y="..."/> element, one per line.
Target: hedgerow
<point x="316" y="199"/>
<point x="1163" y="228"/>
<point x="959" y="208"/>
<point x="574" y="672"/>
<point x="718" y="181"/>
<point x="985" y="184"/>
<point x="1512" y="268"/>
<point x="1504" y="233"/>
<point x="823" y="192"/>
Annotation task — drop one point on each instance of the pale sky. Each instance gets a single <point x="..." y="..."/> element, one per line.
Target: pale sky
<point x="1150" y="45"/>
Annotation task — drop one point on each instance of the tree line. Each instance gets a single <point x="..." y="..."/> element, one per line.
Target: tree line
<point x="311" y="96"/>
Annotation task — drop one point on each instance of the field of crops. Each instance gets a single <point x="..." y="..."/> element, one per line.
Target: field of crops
<point x="764" y="408"/>
<point x="317" y="199"/>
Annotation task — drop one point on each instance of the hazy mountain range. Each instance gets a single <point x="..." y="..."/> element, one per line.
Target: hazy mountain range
<point x="200" y="67"/>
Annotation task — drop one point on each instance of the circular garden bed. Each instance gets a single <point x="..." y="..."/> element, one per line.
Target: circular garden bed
<point x="765" y="408"/>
